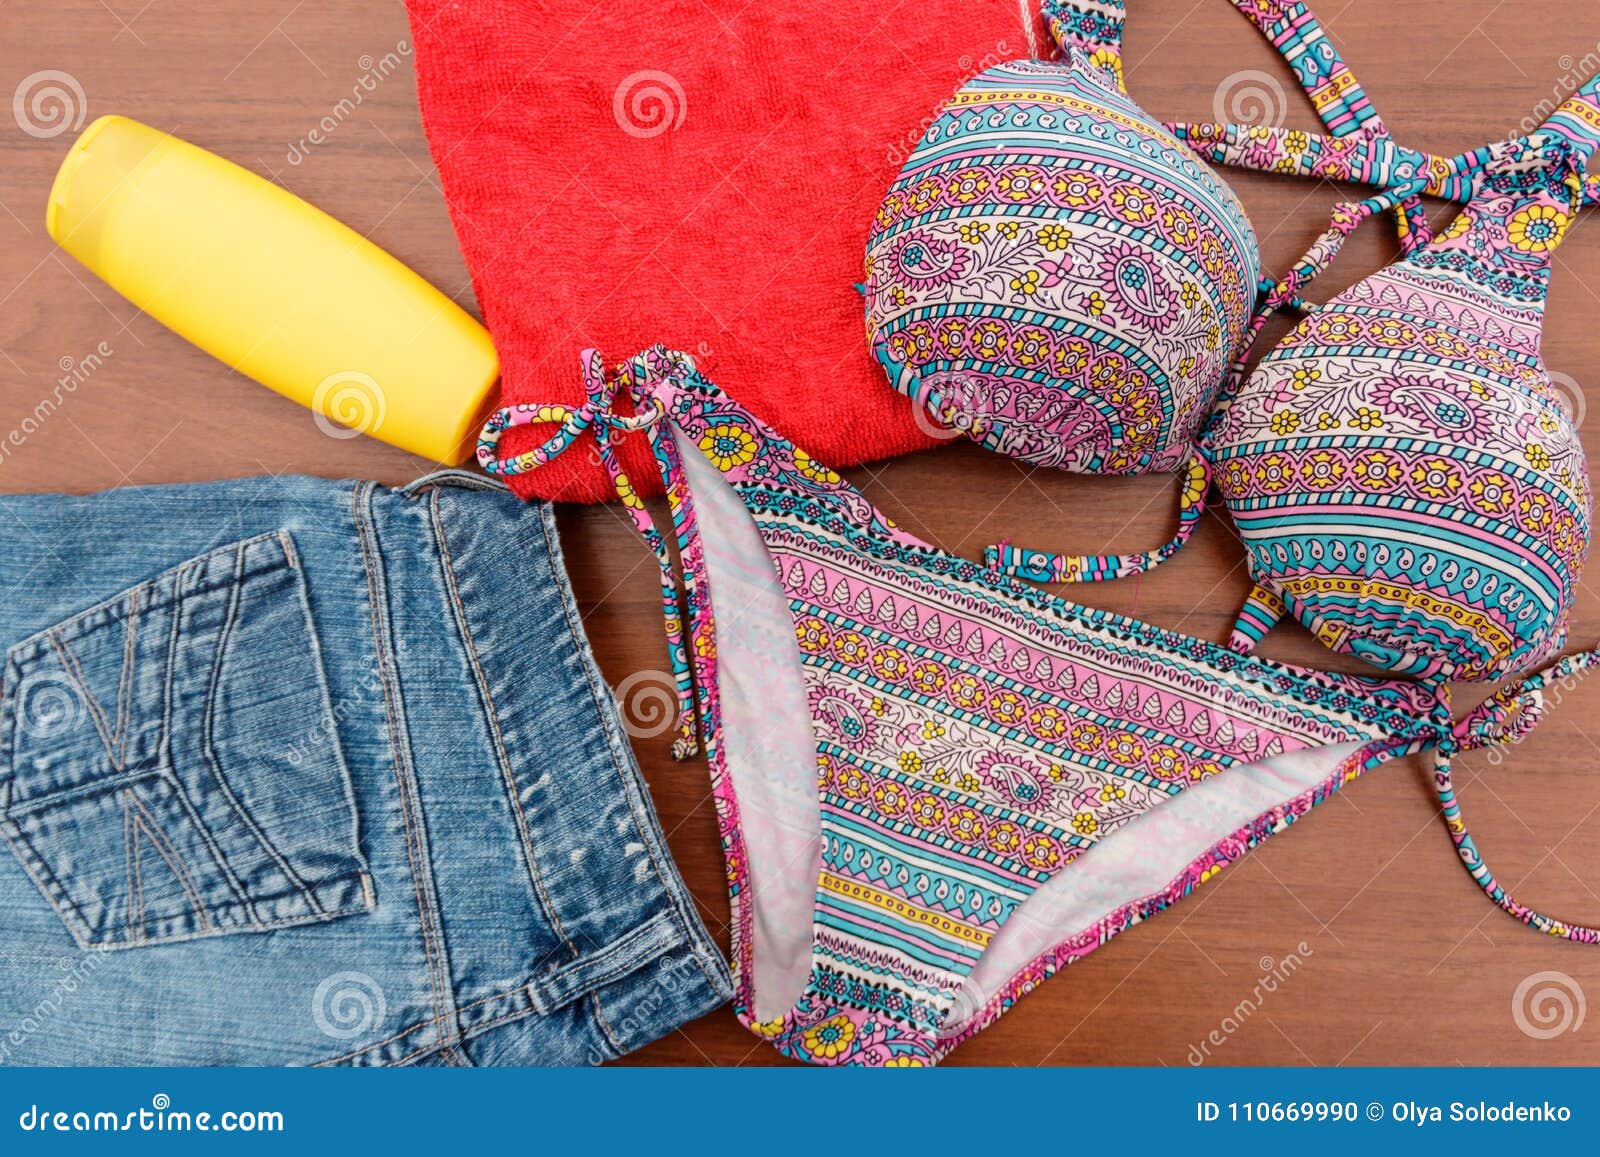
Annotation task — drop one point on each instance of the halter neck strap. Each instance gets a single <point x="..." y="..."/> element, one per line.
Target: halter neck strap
<point x="1090" y="28"/>
<point x="1340" y="101"/>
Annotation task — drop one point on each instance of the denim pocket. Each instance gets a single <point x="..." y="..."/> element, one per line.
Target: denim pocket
<point x="170" y="763"/>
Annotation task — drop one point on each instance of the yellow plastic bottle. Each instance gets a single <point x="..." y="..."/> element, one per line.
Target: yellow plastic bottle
<point x="274" y="287"/>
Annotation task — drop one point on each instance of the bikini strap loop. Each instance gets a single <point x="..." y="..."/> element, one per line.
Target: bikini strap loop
<point x="598" y="413"/>
<point x="1045" y="567"/>
<point x="1091" y="29"/>
<point x="1505" y="718"/>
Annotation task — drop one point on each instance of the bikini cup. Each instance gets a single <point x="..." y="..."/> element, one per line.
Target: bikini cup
<point x="1057" y="278"/>
<point x="1401" y="468"/>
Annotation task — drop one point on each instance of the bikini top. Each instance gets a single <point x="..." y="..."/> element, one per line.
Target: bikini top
<point x="1402" y="468"/>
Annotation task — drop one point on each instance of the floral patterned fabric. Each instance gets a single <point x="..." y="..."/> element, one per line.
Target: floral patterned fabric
<point x="1401" y="468"/>
<point x="1058" y="278"/>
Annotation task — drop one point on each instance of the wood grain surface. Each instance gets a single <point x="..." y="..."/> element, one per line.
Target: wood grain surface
<point x="1404" y="960"/>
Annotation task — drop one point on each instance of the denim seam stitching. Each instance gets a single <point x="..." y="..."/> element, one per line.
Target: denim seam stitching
<point x="444" y="1023"/>
<point x="502" y="756"/>
<point x="486" y="704"/>
<point x="207" y="728"/>
<point x="133" y="917"/>
<point x="48" y="883"/>
<point x="568" y="606"/>
<point x="69" y="663"/>
<point x="125" y="683"/>
<point x="168" y="853"/>
<point x="639" y="946"/>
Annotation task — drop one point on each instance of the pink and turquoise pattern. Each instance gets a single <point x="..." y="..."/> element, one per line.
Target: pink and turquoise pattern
<point x="1401" y="468"/>
<point x="1058" y="278"/>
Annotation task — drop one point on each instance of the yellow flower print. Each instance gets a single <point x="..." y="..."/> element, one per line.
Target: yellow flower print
<point x="879" y="706"/>
<point x="969" y="783"/>
<point x="1009" y="229"/>
<point x="1326" y="421"/>
<point x="891" y="663"/>
<point x="1026" y="284"/>
<point x="1055" y="237"/>
<point x="1041" y="851"/>
<point x="1538" y="457"/>
<point x="1367" y="418"/>
<point x="1306" y="376"/>
<point x="1179" y="224"/>
<point x="768" y="1028"/>
<point x="1210" y="872"/>
<point x="829" y="1038"/>
<point x="1133" y="204"/>
<point x="1194" y="486"/>
<point x="1085" y="824"/>
<point x="728" y="446"/>
<point x="910" y="762"/>
<point x="972" y="231"/>
<point x="1538" y="229"/>
<point x="928" y="676"/>
<point x="815" y="470"/>
<point x="932" y="729"/>
<point x="1078" y="188"/>
<point x="1095" y="303"/>
<point x="1108" y="60"/>
<point x="1285" y="422"/>
<point x="1297" y="141"/>
<point x="905" y="1061"/>
<point x="706" y="645"/>
<point x="890" y="798"/>
<point x="813" y="635"/>
<point x="1112" y="792"/>
<point x="1322" y="471"/>
<point x="967" y="185"/>
<point x="1189" y="295"/>
<point x="1491" y="492"/>
<point x="1436" y="477"/>
<point x="1457" y="228"/>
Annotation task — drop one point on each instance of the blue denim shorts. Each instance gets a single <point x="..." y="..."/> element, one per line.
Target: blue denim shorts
<point x="306" y="772"/>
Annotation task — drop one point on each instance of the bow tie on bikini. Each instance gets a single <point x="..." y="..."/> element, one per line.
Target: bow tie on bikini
<point x="911" y="750"/>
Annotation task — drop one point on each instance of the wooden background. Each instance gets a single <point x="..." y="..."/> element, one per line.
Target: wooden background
<point x="1404" y="960"/>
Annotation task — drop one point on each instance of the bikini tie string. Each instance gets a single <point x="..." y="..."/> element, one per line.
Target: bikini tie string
<point x="1506" y="718"/>
<point x="597" y="413"/>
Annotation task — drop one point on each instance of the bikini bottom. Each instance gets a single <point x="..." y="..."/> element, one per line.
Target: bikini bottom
<point x="937" y="785"/>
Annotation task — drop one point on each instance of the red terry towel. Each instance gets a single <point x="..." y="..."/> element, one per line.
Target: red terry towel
<point x="699" y="173"/>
